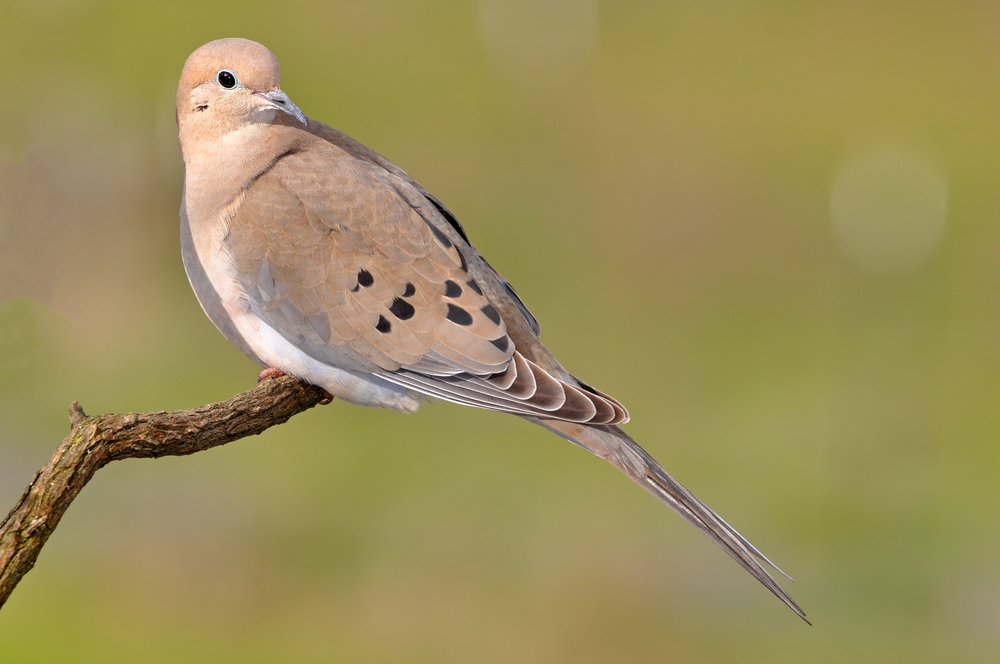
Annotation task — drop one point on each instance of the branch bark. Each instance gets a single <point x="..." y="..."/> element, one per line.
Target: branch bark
<point x="94" y="442"/>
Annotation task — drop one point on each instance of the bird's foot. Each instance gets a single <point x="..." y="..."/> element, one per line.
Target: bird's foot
<point x="270" y="372"/>
<point x="275" y="372"/>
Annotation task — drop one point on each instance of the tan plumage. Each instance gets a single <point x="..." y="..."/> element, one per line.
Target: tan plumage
<point x="319" y="257"/>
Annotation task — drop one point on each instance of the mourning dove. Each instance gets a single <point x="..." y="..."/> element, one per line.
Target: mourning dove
<point x="320" y="258"/>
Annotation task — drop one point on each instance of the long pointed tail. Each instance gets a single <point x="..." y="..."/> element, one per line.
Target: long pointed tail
<point x="614" y="445"/>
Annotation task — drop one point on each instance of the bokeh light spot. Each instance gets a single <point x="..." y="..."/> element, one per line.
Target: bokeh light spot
<point x="888" y="208"/>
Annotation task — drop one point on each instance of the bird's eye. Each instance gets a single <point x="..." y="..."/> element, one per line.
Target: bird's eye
<point x="226" y="79"/>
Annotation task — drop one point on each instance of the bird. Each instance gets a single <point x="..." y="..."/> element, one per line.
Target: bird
<point x="319" y="258"/>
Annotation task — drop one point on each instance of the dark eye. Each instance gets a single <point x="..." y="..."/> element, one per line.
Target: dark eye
<point x="226" y="79"/>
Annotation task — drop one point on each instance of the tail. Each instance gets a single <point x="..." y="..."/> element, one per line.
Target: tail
<point x="614" y="445"/>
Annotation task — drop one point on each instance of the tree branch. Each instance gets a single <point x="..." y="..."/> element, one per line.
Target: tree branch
<point x="94" y="442"/>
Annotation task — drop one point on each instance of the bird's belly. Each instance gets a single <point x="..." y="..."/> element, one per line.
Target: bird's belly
<point x="212" y="274"/>
<point x="357" y="387"/>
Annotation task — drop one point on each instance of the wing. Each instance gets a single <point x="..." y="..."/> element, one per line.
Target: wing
<point x="359" y="268"/>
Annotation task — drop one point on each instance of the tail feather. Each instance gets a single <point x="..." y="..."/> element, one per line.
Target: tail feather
<point x="615" y="446"/>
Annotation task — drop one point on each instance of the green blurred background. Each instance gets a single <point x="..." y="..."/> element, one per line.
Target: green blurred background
<point x="770" y="229"/>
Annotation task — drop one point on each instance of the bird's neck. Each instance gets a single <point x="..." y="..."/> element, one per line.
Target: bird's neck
<point x="217" y="169"/>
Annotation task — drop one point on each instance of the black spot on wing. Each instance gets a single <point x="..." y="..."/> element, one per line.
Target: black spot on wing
<point x="410" y="290"/>
<point x="491" y="313"/>
<point x="401" y="309"/>
<point x="502" y="344"/>
<point x="451" y="289"/>
<point x="383" y="325"/>
<point x="465" y="266"/>
<point x="459" y="316"/>
<point x="356" y="287"/>
<point x="471" y="283"/>
<point x="365" y="278"/>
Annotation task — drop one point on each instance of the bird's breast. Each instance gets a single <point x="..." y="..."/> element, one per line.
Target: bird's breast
<point x="211" y="270"/>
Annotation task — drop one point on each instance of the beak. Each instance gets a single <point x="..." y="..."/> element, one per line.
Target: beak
<point x="281" y="102"/>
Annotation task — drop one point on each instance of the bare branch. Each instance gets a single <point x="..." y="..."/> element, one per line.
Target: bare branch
<point x="93" y="442"/>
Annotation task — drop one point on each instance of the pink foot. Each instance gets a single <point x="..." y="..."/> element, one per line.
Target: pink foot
<point x="274" y="372"/>
<point x="269" y="373"/>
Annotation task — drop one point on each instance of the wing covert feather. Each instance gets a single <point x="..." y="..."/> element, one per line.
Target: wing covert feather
<point x="371" y="276"/>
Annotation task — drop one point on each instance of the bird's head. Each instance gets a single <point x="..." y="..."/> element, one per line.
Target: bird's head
<point x="228" y="84"/>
